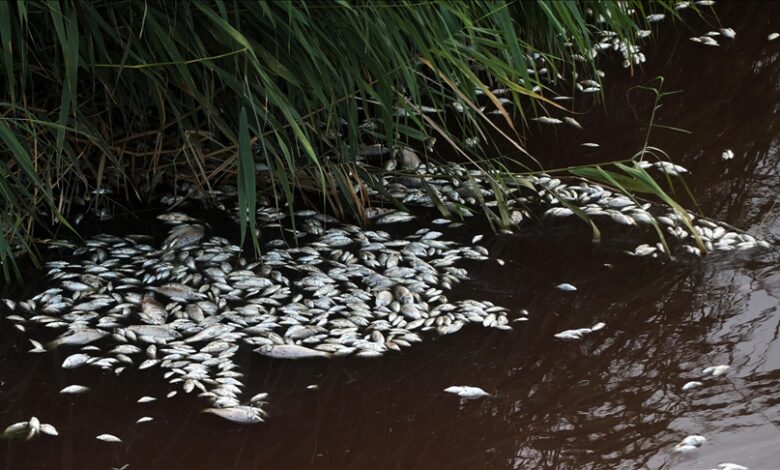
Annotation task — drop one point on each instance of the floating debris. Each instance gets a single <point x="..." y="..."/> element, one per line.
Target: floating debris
<point x="467" y="392"/>
<point x="727" y="154"/>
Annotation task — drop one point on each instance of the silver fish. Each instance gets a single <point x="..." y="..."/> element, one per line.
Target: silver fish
<point x="77" y="337"/>
<point x="74" y="389"/>
<point x="152" y="312"/>
<point x="467" y="392"/>
<point x="289" y="351"/>
<point x="238" y="414"/>
<point x="75" y="360"/>
<point x="108" y="438"/>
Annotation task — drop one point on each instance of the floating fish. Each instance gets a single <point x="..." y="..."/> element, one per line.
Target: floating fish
<point x="598" y="326"/>
<point x="77" y="337"/>
<point x="75" y="360"/>
<point x="727" y="154"/>
<point x="716" y="371"/>
<point x="590" y="145"/>
<point x="467" y="392"/>
<point x="691" y="385"/>
<point x="144" y="419"/>
<point x="74" y="389"/>
<point x="693" y="440"/>
<point x="572" y="122"/>
<point x="152" y="312"/>
<point x="238" y="414"/>
<point x="731" y="466"/>
<point x="289" y="351"/>
<point x="108" y="438"/>
<point x="773" y="36"/>
<point x="566" y="287"/>
<point x="547" y="120"/>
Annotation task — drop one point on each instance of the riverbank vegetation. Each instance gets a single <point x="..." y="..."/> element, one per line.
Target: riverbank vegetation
<point x="127" y="100"/>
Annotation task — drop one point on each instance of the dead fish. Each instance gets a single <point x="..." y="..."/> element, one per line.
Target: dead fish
<point x="655" y="17"/>
<point x="210" y="332"/>
<point x="566" y="287"/>
<point x="184" y="235"/>
<point x="144" y="419"/>
<point x="590" y="145"/>
<point x="75" y="360"/>
<point x="684" y="449"/>
<point x="395" y="217"/>
<point x="237" y="414"/>
<point x="154" y="331"/>
<point x="727" y="154"/>
<point x="728" y="33"/>
<point x="179" y="292"/>
<point x="289" y="351"/>
<point x="773" y="36"/>
<point x="108" y="438"/>
<point x="146" y="399"/>
<point x="175" y="217"/>
<point x="77" y="337"/>
<point x="572" y="122"/>
<point x="152" y="312"/>
<point x="716" y="371"/>
<point x="547" y="120"/>
<point x="691" y="385"/>
<point x="37" y="347"/>
<point x="467" y="392"/>
<point x="76" y="286"/>
<point x="598" y="326"/>
<point x="731" y="466"/>
<point x="693" y="440"/>
<point x="572" y="334"/>
<point x="74" y="389"/>
<point x="49" y="429"/>
<point x="708" y="41"/>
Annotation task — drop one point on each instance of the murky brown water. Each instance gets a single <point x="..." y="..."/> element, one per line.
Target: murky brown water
<point x="610" y="401"/>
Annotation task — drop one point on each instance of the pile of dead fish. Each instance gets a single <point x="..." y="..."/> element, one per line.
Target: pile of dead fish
<point x="187" y="306"/>
<point x="461" y="191"/>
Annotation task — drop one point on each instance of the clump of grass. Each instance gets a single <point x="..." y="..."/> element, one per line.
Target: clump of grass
<point x="131" y="96"/>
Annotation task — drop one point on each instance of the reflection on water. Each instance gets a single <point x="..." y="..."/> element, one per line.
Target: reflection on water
<point x="612" y="400"/>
